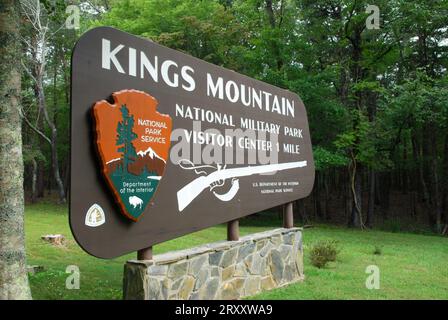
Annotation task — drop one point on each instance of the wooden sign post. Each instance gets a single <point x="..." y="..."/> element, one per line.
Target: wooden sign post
<point x="288" y="216"/>
<point x="233" y="230"/>
<point x="144" y="254"/>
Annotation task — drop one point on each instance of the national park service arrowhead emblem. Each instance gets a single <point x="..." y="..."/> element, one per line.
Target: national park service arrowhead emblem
<point x="132" y="140"/>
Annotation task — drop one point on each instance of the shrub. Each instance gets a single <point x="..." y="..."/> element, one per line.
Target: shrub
<point x="323" y="252"/>
<point x="393" y="225"/>
<point x="378" y="250"/>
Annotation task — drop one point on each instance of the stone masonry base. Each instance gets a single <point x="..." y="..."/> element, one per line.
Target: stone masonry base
<point x="220" y="270"/>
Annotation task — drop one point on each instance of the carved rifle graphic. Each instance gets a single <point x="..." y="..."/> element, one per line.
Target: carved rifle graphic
<point x="192" y="190"/>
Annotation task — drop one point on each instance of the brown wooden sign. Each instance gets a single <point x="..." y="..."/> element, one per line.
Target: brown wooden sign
<point x="164" y="144"/>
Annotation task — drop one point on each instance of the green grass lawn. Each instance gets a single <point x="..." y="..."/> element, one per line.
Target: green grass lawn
<point x="411" y="266"/>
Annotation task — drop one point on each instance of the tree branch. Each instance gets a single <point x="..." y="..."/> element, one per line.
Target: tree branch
<point x="33" y="127"/>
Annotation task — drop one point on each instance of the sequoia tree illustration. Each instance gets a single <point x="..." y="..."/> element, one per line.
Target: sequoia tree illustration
<point x="125" y="136"/>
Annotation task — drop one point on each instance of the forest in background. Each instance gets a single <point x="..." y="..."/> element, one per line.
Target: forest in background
<point x="376" y="98"/>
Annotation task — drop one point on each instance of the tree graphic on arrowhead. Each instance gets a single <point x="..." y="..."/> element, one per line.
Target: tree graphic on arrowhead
<point x="125" y="136"/>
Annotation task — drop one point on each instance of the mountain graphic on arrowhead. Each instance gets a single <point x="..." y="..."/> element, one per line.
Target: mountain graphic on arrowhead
<point x="147" y="159"/>
<point x="151" y="153"/>
<point x="121" y="129"/>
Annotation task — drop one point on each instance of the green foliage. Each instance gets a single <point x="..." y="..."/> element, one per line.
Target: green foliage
<point x="203" y="29"/>
<point x="376" y="98"/>
<point x="324" y="251"/>
<point x="324" y="159"/>
<point x="30" y="154"/>
<point x="365" y="141"/>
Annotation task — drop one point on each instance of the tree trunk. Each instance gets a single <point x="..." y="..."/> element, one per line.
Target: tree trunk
<point x="387" y="188"/>
<point x="53" y="143"/>
<point x="356" y="191"/>
<point x="302" y="211"/>
<point x="38" y="72"/>
<point x="272" y="22"/>
<point x="66" y="78"/>
<point x="317" y="198"/>
<point x="413" y="205"/>
<point x="33" y="182"/>
<point x="371" y="204"/>
<point x="327" y="198"/>
<point x="67" y="177"/>
<point x="347" y="197"/>
<point x="378" y="186"/>
<point x="437" y="200"/>
<point x="405" y="171"/>
<point x="424" y="170"/>
<point x="13" y="274"/>
<point x="423" y="154"/>
<point x="55" y="166"/>
<point x="445" y="182"/>
<point x="40" y="180"/>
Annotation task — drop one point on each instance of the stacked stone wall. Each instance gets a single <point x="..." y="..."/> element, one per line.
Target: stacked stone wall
<point x="221" y="270"/>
